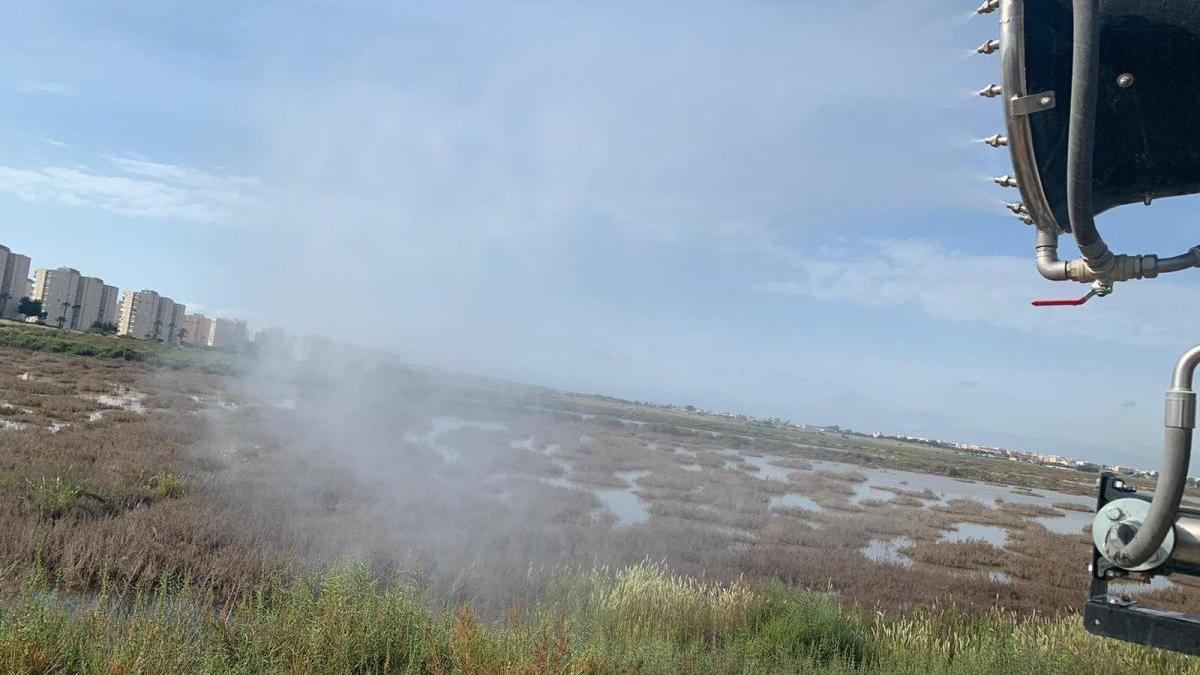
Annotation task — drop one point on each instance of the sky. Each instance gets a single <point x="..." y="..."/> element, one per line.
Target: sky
<point x="766" y="207"/>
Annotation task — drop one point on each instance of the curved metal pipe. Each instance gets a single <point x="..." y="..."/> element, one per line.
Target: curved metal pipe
<point x="1177" y="452"/>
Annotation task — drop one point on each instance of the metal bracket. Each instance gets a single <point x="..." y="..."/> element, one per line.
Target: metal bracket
<point x="1027" y="105"/>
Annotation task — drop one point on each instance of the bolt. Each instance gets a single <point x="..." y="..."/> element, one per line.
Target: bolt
<point x="1125" y="80"/>
<point x="1114" y="513"/>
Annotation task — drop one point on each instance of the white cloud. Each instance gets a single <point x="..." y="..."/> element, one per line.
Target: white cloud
<point x="41" y="87"/>
<point x="57" y="143"/>
<point x="139" y="189"/>
<point x="995" y="290"/>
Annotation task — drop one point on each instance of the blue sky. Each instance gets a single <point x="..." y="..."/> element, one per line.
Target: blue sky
<point x="765" y="207"/>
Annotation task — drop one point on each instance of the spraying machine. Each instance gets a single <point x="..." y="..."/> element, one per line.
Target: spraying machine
<point x="1102" y="108"/>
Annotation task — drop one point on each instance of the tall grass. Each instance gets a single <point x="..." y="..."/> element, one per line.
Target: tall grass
<point x="640" y="619"/>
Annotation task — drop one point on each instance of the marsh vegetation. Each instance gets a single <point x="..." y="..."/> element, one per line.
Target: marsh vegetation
<point x="495" y="527"/>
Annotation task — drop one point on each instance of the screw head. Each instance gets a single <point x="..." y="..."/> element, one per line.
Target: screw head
<point x="1114" y="513"/>
<point x="1125" y="80"/>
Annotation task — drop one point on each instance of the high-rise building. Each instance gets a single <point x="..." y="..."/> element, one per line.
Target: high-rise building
<point x="58" y="290"/>
<point x="14" y="274"/>
<point x="162" y="319"/>
<point x="228" y="334"/>
<point x="138" y="314"/>
<point x="108" y="306"/>
<point x="197" y="330"/>
<point x="88" y="298"/>
<point x="172" y="321"/>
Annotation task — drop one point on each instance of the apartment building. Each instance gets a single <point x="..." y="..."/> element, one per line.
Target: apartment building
<point x="228" y="334"/>
<point x="87" y="303"/>
<point x="108" y="306"/>
<point x="197" y="330"/>
<point x="162" y="319"/>
<point x="137" y="314"/>
<point x="14" y="275"/>
<point x="58" y="290"/>
<point x="170" y="320"/>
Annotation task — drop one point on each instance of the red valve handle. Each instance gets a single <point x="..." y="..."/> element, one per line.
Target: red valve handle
<point x="1064" y="302"/>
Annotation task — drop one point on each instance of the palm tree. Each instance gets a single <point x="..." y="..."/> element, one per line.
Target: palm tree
<point x="157" y="329"/>
<point x="62" y="317"/>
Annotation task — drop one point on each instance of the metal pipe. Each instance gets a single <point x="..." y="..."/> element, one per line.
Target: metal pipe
<point x="1177" y="452"/>
<point x="1048" y="263"/>
<point x="1085" y="75"/>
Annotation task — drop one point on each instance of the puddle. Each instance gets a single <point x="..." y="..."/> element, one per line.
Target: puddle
<point x="731" y="465"/>
<point x="993" y="534"/>
<point x="9" y="425"/>
<point x="1157" y="583"/>
<point x="998" y="576"/>
<point x="96" y="416"/>
<point x="1071" y="522"/>
<point x="585" y="439"/>
<point x="794" y="500"/>
<point x="691" y="467"/>
<point x="652" y="446"/>
<point x="766" y="470"/>
<point x="123" y="399"/>
<point x="888" y="551"/>
<point x="865" y="491"/>
<point x="949" y="489"/>
<point x="629" y="508"/>
<point x="56" y="427"/>
<point x="680" y="450"/>
<point x="444" y="425"/>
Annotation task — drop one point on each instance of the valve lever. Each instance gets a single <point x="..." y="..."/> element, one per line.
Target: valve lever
<point x="1064" y="302"/>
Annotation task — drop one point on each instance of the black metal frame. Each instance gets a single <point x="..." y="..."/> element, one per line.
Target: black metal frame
<point x="1123" y="618"/>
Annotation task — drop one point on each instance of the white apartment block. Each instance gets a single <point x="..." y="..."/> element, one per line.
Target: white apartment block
<point x="197" y="330"/>
<point x="108" y="305"/>
<point x="87" y="303"/>
<point x="162" y="319"/>
<point x="170" y="320"/>
<point x="228" y="334"/>
<point x="137" y="314"/>
<point x="58" y="289"/>
<point x="14" y="275"/>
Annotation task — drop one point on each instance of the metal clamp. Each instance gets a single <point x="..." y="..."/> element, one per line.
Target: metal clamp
<point x="1027" y="105"/>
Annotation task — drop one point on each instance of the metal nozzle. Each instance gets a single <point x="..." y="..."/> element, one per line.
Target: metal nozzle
<point x="1005" y="181"/>
<point x="988" y="7"/>
<point x="1017" y="208"/>
<point x="989" y="47"/>
<point x="990" y="91"/>
<point x="996" y="140"/>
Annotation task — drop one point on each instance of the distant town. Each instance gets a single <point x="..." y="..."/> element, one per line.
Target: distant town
<point x="64" y="298"/>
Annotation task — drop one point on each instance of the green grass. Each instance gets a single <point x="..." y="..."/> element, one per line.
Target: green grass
<point x="638" y="620"/>
<point x="45" y="339"/>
